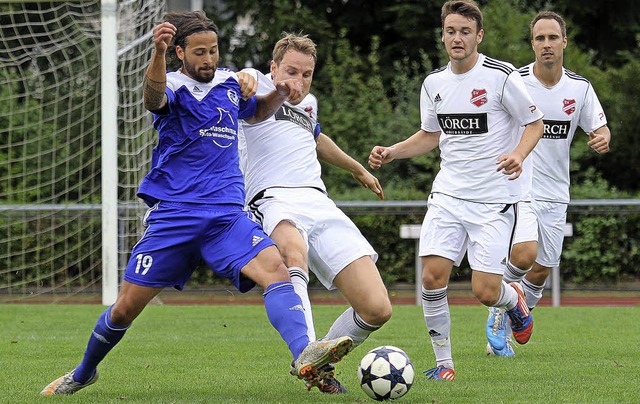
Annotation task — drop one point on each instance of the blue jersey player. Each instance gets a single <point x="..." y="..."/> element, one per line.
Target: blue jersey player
<point x="196" y="195"/>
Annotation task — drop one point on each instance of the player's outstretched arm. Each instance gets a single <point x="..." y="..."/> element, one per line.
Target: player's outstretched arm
<point x="248" y="84"/>
<point x="421" y="142"/>
<point x="155" y="81"/>
<point x="286" y="90"/>
<point x="599" y="139"/>
<point x="331" y="153"/>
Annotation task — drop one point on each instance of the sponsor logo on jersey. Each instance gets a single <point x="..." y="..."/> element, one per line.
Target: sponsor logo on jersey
<point x="463" y="124"/>
<point x="569" y="106"/>
<point x="479" y="97"/>
<point x="286" y="113"/>
<point x="196" y="89"/>
<point x="438" y="98"/>
<point x="556" y="129"/>
<point x="221" y="135"/>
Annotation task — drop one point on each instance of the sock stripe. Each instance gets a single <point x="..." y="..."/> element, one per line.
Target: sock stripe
<point x="362" y="324"/>
<point x="299" y="273"/>
<point x="276" y="286"/>
<point x="433" y="295"/>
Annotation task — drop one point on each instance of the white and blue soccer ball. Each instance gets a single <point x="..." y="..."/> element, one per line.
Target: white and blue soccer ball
<point x="385" y="373"/>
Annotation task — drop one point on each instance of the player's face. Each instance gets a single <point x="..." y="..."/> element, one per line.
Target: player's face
<point x="548" y="43"/>
<point x="295" y="65"/>
<point x="200" y="56"/>
<point x="461" y="37"/>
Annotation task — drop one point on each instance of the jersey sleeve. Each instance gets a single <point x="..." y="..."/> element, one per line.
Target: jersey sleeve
<point x="592" y="116"/>
<point x="518" y="102"/>
<point x="428" y="117"/>
<point x="247" y="108"/>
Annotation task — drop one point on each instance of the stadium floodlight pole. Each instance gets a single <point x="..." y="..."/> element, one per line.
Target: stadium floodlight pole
<point x="109" y="140"/>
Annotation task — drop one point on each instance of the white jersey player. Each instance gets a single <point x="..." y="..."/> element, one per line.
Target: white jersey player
<point x="568" y="101"/>
<point x="472" y="109"/>
<point x="286" y="193"/>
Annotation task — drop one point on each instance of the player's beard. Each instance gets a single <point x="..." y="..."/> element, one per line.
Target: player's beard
<point x="201" y="75"/>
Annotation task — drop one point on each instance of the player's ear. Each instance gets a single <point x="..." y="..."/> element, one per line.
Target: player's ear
<point x="180" y="52"/>
<point x="480" y="36"/>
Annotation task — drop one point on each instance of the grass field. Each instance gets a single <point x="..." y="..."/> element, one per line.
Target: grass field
<point x="230" y="354"/>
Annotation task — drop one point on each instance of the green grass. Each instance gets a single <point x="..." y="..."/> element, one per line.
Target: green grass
<point x="230" y="354"/>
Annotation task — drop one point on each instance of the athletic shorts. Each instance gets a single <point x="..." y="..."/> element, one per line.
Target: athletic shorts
<point x="551" y="217"/>
<point x="181" y="236"/>
<point x="526" y="223"/>
<point x="454" y="226"/>
<point x="333" y="241"/>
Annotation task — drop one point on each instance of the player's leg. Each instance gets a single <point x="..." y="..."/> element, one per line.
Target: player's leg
<point x="552" y="219"/>
<point x="360" y="283"/>
<point x="442" y="244"/>
<point x="293" y="249"/>
<point x="164" y="256"/>
<point x="251" y="257"/>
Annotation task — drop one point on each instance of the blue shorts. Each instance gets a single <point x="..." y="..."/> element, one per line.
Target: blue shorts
<point x="181" y="236"/>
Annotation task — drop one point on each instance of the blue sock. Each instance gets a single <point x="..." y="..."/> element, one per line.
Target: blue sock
<point x="285" y="312"/>
<point x="104" y="337"/>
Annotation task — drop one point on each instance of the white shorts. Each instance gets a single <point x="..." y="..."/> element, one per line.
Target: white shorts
<point x="542" y="222"/>
<point x="453" y="226"/>
<point x="551" y="217"/>
<point x="333" y="241"/>
<point x="526" y="223"/>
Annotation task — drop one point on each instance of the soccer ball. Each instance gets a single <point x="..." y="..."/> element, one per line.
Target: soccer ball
<point x="385" y="373"/>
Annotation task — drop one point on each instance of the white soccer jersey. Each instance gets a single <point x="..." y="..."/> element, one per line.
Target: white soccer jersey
<point x="479" y="114"/>
<point x="572" y="102"/>
<point x="281" y="154"/>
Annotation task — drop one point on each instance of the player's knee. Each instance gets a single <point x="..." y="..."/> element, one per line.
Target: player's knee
<point x="122" y="315"/>
<point x="486" y="296"/>
<point x="378" y="314"/>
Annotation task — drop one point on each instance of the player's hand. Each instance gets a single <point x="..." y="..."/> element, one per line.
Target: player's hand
<point x="369" y="181"/>
<point x="248" y="85"/>
<point x="290" y="88"/>
<point x="380" y="155"/>
<point x="599" y="142"/>
<point x="162" y="35"/>
<point x="510" y="164"/>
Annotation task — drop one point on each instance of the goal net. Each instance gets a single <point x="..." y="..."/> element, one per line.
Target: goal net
<point x="50" y="143"/>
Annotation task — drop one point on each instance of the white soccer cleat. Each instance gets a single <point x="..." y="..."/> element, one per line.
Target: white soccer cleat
<point x="317" y="354"/>
<point x="66" y="385"/>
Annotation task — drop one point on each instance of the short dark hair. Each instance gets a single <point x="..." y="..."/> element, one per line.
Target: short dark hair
<point x="549" y="15"/>
<point x="466" y="8"/>
<point x="186" y="24"/>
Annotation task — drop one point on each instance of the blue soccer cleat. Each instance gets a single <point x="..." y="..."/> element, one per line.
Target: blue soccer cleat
<point x="497" y="328"/>
<point x="506" y="351"/>
<point x="440" y="372"/>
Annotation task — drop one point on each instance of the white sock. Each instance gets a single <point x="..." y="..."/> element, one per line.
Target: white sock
<point x="532" y="293"/>
<point x="513" y="273"/>
<point x="300" y="279"/>
<point x="508" y="297"/>
<point x="350" y="324"/>
<point x="437" y="316"/>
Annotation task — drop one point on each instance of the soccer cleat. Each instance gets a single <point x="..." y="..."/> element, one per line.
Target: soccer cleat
<point x="66" y="385"/>
<point x="520" y="316"/>
<point x="440" y="373"/>
<point x="497" y="328"/>
<point x="327" y="383"/>
<point x="317" y="354"/>
<point x="506" y="351"/>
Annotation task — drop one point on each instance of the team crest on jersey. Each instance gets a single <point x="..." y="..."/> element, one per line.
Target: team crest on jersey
<point x="309" y="110"/>
<point x="479" y="97"/>
<point x="569" y="106"/>
<point x="233" y="97"/>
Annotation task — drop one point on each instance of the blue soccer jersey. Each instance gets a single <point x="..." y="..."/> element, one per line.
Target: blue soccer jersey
<point x="196" y="158"/>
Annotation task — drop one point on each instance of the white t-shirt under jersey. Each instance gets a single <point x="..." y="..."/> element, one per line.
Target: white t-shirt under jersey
<point x="572" y="102"/>
<point x="281" y="151"/>
<point x="479" y="114"/>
